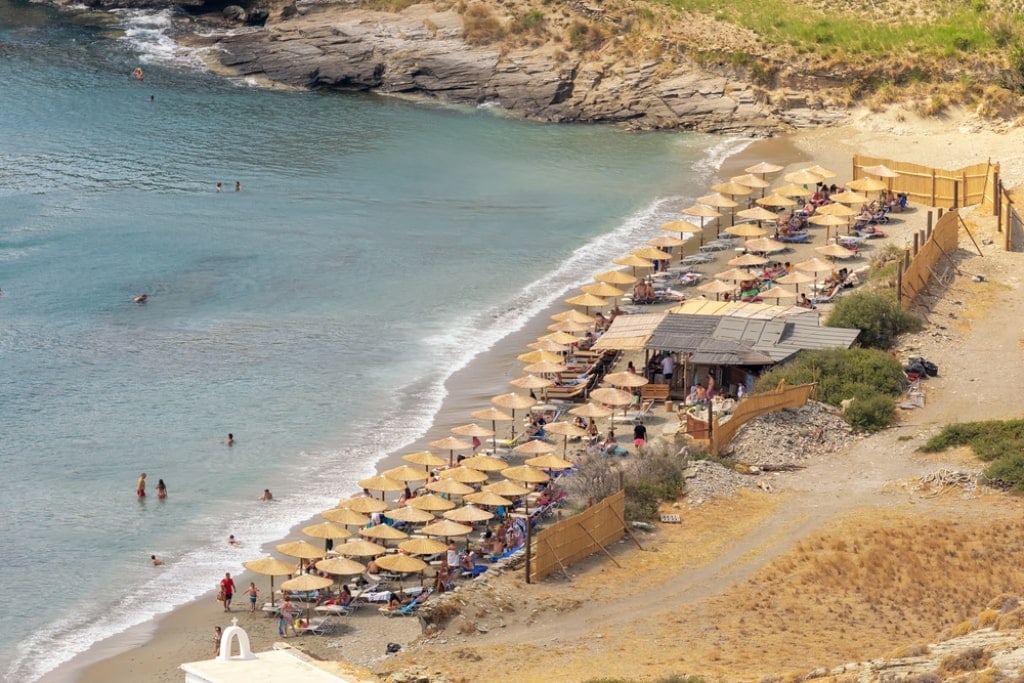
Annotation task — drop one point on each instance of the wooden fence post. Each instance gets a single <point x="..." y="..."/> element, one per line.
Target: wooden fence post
<point x="932" y="202"/>
<point x="899" y="284"/>
<point x="997" y="202"/>
<point x="917" y="237"/>
<point x="956" y="194"/>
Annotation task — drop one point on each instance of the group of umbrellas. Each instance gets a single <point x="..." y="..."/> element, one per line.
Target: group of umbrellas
<point x="799" y="183"/>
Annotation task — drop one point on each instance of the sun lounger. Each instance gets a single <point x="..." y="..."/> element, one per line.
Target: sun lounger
<point x="316" y="626"/>
<point x="795" y="238"/>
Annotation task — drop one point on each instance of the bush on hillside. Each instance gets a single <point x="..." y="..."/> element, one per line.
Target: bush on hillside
<point x="480" y="26"/>
<point x="1000" y="442"/>
<point x="876" y="315"/>
<point x="874" y="378"/>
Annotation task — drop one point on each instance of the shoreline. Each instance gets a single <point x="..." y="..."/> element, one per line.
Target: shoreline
<point x="186" y="629"/>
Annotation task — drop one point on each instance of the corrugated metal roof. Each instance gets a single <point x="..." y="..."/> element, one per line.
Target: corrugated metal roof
<point x="727" y="340"/>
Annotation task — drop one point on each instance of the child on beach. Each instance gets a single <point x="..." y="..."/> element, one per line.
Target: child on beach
<point x="252" y="592"/>
<point x="217" y="635"/>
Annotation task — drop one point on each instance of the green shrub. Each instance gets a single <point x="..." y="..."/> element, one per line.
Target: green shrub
<point x="586" y="37"/>
<point x="1009" y="470"/>
<point x="531" y="22"/>
<point x="874" y="378"/>
<point x="876" y="315"/>
<point x="871" y="413"/>
<point x="990" y="440"/>
<point x="480" y="26"/>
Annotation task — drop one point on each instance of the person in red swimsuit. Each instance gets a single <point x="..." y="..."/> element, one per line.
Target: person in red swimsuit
<point x="228" y="585"/>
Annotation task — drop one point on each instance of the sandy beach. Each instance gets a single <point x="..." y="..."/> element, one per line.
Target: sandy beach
<point x="154" y="653"/>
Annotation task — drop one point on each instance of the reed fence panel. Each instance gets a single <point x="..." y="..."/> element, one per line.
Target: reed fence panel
<point x="576" y="538"/>
<point x="925" y="265"/>
<point x="756" y="405"/>
<point x="935" y="186"/>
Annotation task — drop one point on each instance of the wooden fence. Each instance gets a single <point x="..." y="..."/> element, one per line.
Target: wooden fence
<point x="1008" y="208"/>
<point x="929" y="256"/>
<point x="578" y="537"/>
<point x="756" y="405"/>
<point x="935" y="186"/>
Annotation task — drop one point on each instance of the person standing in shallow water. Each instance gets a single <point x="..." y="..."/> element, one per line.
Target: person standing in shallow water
<point x="161" y="489"/>
<point x="140" y="486"/>
<point x="231" y="440"/>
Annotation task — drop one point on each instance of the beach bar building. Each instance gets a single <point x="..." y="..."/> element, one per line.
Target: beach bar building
<point x="237" y="663"/>
<point x="731" y="342"/>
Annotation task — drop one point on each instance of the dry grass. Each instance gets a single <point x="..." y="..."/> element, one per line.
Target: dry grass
<point x="480" y="26"/>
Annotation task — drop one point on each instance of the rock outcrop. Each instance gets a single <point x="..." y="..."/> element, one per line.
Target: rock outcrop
<point x="421" y="52"/>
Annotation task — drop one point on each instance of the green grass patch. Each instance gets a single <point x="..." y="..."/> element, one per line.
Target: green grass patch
<point x="999" y="442"/>
<point x="954" y="30"/>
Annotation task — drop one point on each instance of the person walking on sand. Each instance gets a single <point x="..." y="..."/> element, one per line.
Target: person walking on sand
<point x="286" y="618"/>
<point x="227" y="585"/>
<point x="253" y="592"/>
<point x="161" y="489"/>
<point x="140" y="486"/>
<point x="217" y="635"/>
<point x="639" y="435"/>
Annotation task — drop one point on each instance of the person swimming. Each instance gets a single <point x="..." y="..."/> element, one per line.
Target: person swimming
<point x="137" y="73"/>
<point x="141" y="298"/>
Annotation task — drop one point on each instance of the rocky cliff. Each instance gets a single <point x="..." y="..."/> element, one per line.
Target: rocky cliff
<point x="421" y="51"/>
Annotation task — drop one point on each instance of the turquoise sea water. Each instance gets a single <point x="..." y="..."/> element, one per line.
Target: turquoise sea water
<point x="376" y="246"/>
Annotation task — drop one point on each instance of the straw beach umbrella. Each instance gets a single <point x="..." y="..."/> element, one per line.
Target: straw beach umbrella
<point x="803" y="177"/>
<point x="776" y="293"/>
<point x="736" y="275"/>
<point x="880" y="170"/>
<point x="746" y="230"/>
<point x="422" y="546"/>
<point x="682" y="227"/>
<point x="603" y="289"/>
<point x="764" y="245"/>
<point x="751" y="180"/>
<point x="835" y="251"/>
<point x="757" y="213"/>
<point x="814" y="265"/>
<point x="701" y="212"/>
<point x="513" y="401"/>
<point x="468" y="514"/>
<point x="538" y="357"/>
<point x="383" y="532"/>
<point x="270" y="566"/>
<point x="364" y="504"/>
<point x="747" y="260"/>
<point x="473" y="430"/>
<point x="533" y="447"/>
<point x="381" y="483"/>
<point x="531" y="382"/>
<point x="506" y="488"/>
<point x="451" y="444"/>
<point x="302" y="549"/>
<point x="835" y="209"/>
<point x="716" y="287"/>
<point x="776" y="200"/>
<point x="401" y="564"/>
<point x="543" y="344"/>
<point x="626" y="379"/>
<point x="795" y="278"/>
<point x="820" y="171"/>
<point x="345" y="516"/>
<point x="431" y="503"/>
<point x="666" y="242"/>
<point x="866" y="184"/>
<point x="450" y="486"/>
<point x="576" y="316"/>
<point x="792" y="190"/>
<point x="634" y="261"/>
<point x="425" y="458"/>
<point x="485" y="463"/>
<point x="549" y="461"/>
<point x="464" y="475"/>
<point x="562" y="332"/>
<point x="495" y="416"/>
<point x="360" y="547"/>
<point x="489" y="498"/>
<point x="446" y="528"/>
<point x="612" y="397"/>
<point x="592" y="410"/>
<point x="341" y="566"/>
<point x="405" y="473"/>
<point x="546" y="368"/>
<point x="733" y="189"/>
<point x="829" y="221"/>
<point x="763" y="168"/>
<point x="587" y="301"/>
<point x="719" y="201"/>
<point x="849" y="197"/>
<point x="306" y="583"/>
<point x="329" y="531"/>
<point x="652" y="253"/>
<point x="567" y="429"/>
<point x="612" y="277"/>
<point x="407" y="513"/>
<point x="526" y="473"/>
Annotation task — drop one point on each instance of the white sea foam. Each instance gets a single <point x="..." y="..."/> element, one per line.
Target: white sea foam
<point x="149" y="33"/>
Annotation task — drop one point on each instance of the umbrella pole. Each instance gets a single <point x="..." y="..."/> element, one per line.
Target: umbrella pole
<point x="494" y="437"/>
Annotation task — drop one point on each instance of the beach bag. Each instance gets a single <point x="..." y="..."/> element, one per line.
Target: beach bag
<point x="930" y="368"/>
<point x="392" y="648"/>
<point x="220" y="595"/>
